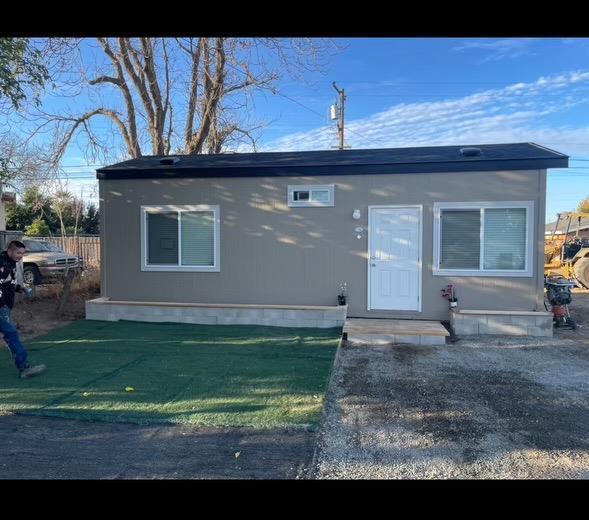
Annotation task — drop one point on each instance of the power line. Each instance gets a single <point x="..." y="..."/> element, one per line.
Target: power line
<point x="374" y="140"/>
<point x="322" y="116"/>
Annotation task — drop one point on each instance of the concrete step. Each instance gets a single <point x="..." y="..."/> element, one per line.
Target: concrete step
<point x="388" y="331"/>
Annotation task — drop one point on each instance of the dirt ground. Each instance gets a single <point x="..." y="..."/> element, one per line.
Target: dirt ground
<point x="579" y="310"/>
<point x="37" y="316"/>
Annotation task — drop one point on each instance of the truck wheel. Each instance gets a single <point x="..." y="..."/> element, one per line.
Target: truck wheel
<point x="31" y="275"/>
<point x="581" y="270"/>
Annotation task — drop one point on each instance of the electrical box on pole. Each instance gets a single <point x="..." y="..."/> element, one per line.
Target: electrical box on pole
<point x="333" y="112"/>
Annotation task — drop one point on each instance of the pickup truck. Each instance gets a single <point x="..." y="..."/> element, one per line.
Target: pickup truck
<point x="44" y="262"/>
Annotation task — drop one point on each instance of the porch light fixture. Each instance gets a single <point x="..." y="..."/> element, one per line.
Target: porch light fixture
<point x="356" y="214"/>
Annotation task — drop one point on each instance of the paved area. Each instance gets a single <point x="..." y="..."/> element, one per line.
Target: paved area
<point x="48" y="448"/>
<point x="478" y="408"/>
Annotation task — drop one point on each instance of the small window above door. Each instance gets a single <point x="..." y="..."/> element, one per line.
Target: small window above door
<point x="311" y="195"/>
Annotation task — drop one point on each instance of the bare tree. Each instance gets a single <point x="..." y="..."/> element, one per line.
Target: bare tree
<point x="23" y="164"/>
<point x="59" y="204"/>
<point x="78" y="210"/>
<point x="190" y="95"/>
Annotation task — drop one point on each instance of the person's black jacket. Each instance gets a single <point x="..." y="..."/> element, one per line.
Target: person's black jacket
<point x="7" y="280"/>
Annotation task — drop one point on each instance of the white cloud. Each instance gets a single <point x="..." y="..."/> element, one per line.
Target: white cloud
<point x="499" y="49"/>
<point x="514" y="113"/>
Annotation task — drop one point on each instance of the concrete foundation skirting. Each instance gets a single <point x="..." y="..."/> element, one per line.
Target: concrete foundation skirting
<point x="512" y="323"/>
<point x="272" y="315"/>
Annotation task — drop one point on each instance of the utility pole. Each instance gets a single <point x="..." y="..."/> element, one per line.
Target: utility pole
<point x="340" y="123"/>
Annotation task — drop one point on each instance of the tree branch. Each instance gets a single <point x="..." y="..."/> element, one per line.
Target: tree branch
<point x="150" y="74"/>
<point x="132" y="143"/>
<point x="169" y="138"/>
<point x="83" y="120"/>
<point x="188" y="128"/>
<point x="105" y="79"/>
<point x="212" y="95"/>
<point x="124" y="45"/>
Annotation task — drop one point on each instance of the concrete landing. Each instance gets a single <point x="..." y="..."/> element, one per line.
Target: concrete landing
<point x="387" y="331"/>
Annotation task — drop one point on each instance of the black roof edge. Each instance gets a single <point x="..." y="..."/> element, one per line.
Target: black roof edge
<point x="123" y="165"/>
<point x="339" y="169"/>
<point x="549" y="149"/>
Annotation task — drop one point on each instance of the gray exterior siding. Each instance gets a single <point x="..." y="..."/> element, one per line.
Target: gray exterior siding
<point x="273" y="254"/>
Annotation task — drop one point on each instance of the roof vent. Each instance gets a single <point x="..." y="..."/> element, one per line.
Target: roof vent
<point x="170" y="161"/>
<point x="470" y="151"/>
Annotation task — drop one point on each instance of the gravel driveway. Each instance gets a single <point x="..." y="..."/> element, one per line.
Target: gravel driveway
<point x="494" y="407"/>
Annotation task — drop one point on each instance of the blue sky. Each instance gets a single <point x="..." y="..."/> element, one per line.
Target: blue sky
<point x="433" y="91"/>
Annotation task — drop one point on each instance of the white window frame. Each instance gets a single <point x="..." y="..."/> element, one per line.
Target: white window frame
<point x="528" y="271"/>
<point x="215" y="268"/>
<point x="330" y="188"/>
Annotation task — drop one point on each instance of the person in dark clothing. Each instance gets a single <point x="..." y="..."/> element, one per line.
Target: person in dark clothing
<point x="8" y="287"/>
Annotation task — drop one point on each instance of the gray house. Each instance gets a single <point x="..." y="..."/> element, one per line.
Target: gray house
<point x="270" y="237"/>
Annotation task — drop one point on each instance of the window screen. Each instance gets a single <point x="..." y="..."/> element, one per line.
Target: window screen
<point x="162" y="232"/>
<point x="198" y="238"/>
<point x="460" y="241"/>
<point x="505" y="238"/>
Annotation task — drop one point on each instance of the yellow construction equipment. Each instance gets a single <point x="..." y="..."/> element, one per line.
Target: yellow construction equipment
<point x="564" y="256"/>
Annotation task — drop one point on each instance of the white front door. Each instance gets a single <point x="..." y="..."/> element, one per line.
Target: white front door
<point x="394" y="258"/>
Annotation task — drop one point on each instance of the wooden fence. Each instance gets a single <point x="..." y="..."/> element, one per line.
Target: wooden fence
<point x="88" y="247"/>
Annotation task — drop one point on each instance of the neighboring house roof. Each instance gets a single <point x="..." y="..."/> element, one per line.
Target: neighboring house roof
<point x="515" y="156"/>
<point x="562" y="226"/>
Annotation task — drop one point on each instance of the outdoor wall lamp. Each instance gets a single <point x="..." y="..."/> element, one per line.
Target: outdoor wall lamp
<point x="356" y="214"/>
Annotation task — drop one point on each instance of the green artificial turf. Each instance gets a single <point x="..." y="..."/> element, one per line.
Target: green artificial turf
<point x="212" y="375"/>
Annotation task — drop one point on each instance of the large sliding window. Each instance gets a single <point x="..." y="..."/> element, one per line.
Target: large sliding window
<point x="180" y="238"/>
<point x="483" y="238"/>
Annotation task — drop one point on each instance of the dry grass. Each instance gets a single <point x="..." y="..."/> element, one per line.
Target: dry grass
<point x="86" y="284"/>
<point x="38" y="315"/>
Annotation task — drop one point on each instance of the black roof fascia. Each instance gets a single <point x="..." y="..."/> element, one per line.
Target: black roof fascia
<point x="335" y="169"/>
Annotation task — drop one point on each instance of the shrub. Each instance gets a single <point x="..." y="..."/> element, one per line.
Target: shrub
<point x="38" y="228"/>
